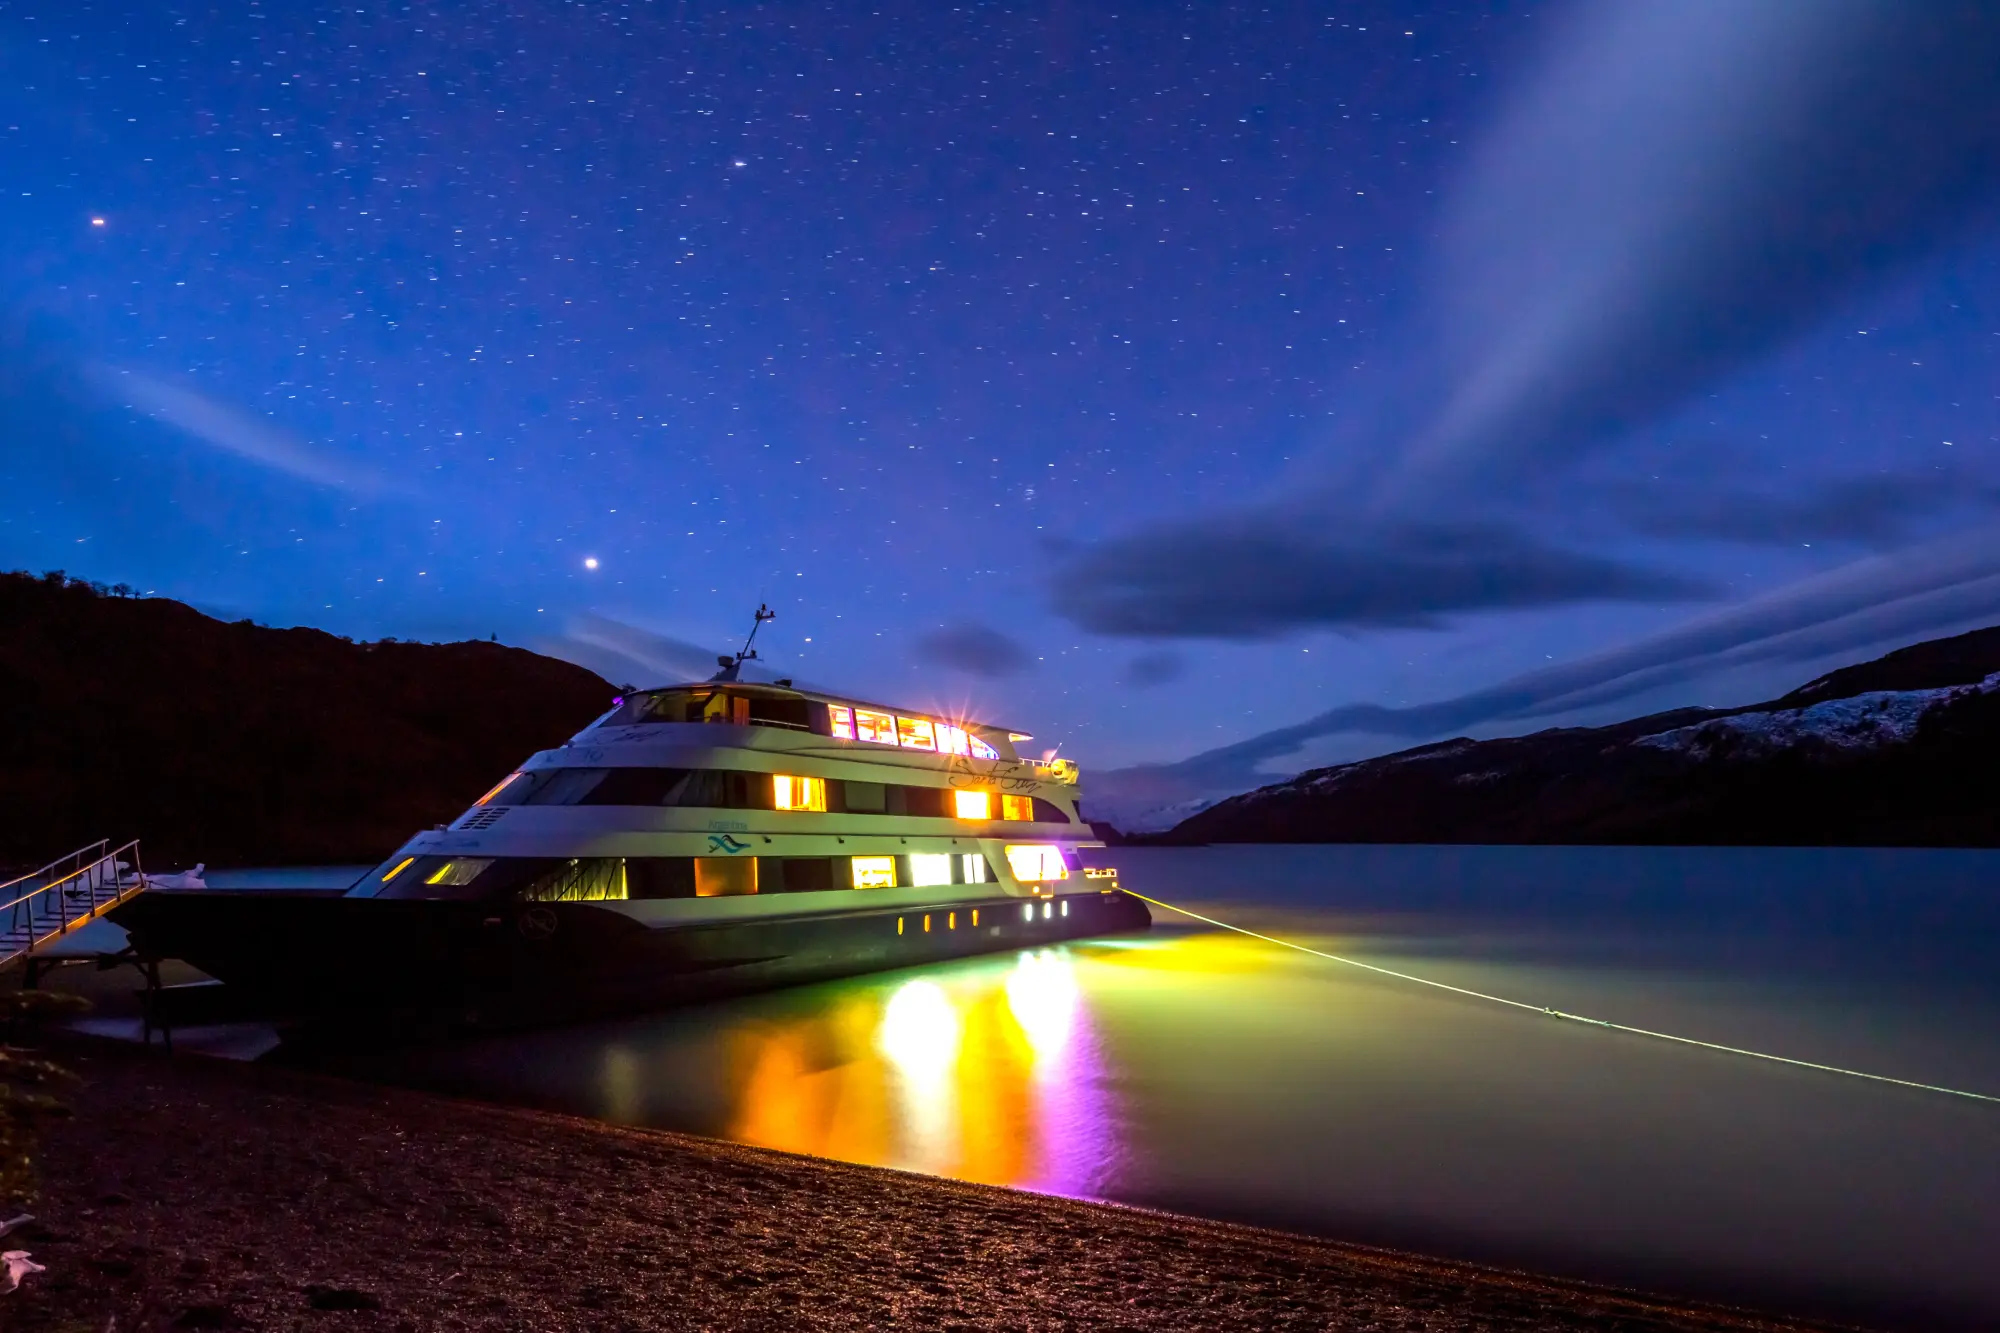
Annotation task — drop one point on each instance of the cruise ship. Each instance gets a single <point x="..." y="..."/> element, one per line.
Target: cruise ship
<point x="695" y="840"/>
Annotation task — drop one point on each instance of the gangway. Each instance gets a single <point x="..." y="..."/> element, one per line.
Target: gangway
<point x="39" y="908"/>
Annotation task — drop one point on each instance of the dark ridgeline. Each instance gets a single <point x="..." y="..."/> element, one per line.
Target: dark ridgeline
<point x="1883" y="771"/>
<point x="235" y="744"/>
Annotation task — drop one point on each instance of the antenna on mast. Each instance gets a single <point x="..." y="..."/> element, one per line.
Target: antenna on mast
<point x="732" y="665"/>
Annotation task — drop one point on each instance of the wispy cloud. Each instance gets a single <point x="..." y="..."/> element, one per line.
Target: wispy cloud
<point x="1679" y="188"/>
<point x="627" y="654"/>
<point x="232" y="431"/>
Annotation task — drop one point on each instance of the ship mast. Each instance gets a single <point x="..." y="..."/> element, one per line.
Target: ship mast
<point x="732" y="665"/>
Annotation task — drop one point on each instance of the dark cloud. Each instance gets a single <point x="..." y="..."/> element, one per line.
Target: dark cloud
<point x="1938" y="587"/>
<point x="1683" y="185"/>
<point x="1866" y="510"/>
<point x="1251" y="576"/>
<point x="977" y="650"/>
<point x="1148" y="670"/>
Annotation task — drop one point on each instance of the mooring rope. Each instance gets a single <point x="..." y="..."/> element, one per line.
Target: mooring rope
<point x="1547" y="1012"/>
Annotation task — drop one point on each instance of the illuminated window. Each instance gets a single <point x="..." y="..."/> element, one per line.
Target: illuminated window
<point x="1027" y="911"/>
<point x="877" y="727"/>
<point x="874" y="872"/>
<point x="1036" y="863"/>
<point x="974" y="867"/>
<point x="462" y="871"/>
<point x="952" y="740"/>
<point x="981" y="750"/>
<point x="724" y="876"/>
<point x="401" y="866"/>
<point x="915" y="733"/>
<point x="975" y="916"/>
<point x="498" y="787"/>
<point x="1017" y="807"/>
<point x="972" y="804"/>
<point x="928" y="868"/>
<point x="951" y="921"/>
<point x="840" y="721"/>
<point x="788" y="793"/>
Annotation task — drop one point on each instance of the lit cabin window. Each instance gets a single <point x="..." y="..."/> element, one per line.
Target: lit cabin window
<point x="981" y="750"/>
<point x="915" y="733"/>
<point x="874" y="872"/>
<point x="1036" y="864"/>
<point x="877" y="727"/>
<point x="972" y="804"/>
<point x="789" y="793"/>
<point x="457" y="872"/>
<point x="952" y="740"/>
<point x="973" y="865"/>
<point x="927" y="868"/>
<point x="1017" y="807"/>
<point x="840" y="721"/>
<point x="725" y="876"/>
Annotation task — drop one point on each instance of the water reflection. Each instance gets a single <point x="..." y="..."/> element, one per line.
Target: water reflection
<point x="988" y="1075"/>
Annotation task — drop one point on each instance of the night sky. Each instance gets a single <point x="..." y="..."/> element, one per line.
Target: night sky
<point x="1146" y="377"/>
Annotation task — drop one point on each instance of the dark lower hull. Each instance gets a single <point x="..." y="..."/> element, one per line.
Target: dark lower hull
<point x="343" y="960"/>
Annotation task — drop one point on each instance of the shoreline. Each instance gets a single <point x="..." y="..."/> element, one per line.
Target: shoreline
<point x="193" y="1193"/>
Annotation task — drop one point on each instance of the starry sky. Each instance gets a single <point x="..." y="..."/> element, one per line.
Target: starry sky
<point x="1148" y="377"/>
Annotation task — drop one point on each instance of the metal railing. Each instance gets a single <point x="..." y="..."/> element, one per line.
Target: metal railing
<point x="47" y="903"/>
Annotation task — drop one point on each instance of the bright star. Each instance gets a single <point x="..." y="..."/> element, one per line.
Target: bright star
<point x="590" y="562"/>
<point x="97" y="222"/>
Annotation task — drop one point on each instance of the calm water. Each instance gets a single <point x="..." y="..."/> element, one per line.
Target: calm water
<point x="1211" y="1074"/>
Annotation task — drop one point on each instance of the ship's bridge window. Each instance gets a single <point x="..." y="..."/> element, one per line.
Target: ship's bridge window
<point x="1035" y="863"/>
<point x="790" y="793"/>
<point x="981" y="750"/>
<point x="953" y="740"/>
<point x="915" y="733"/>
<point x="840" y="722"/>
<point x="872" y="726"/>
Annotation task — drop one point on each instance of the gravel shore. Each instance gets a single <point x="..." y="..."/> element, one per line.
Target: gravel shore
<point x="187" y="1193"/>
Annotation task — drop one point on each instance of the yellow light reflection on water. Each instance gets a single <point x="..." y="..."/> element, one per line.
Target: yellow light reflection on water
<point x="981" y="1073"/>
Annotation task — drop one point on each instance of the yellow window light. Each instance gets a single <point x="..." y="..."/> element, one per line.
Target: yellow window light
<point x="953" y="740"/>
<point x="1017" y="807"/>
<point x="899" y="925"/>
<point x="401" y="866"/>
<point x="975" y="916"/>
<point x="725" y="876"/>
<point x="790" y="793"/>
<point x="498" y="787"/>
<point x="951" y="921"/>
<point x="972" y="804"/>
<point x="927" y="923"/>
<point x="1036" y="863"/>
<point x="874" y="872"/>
<point x="840" y="721"/>
<point x="877" y="727"/>
<point x="459" y="872"/>
<point x="915" y="733"/>
<point x="928" y="868"/>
